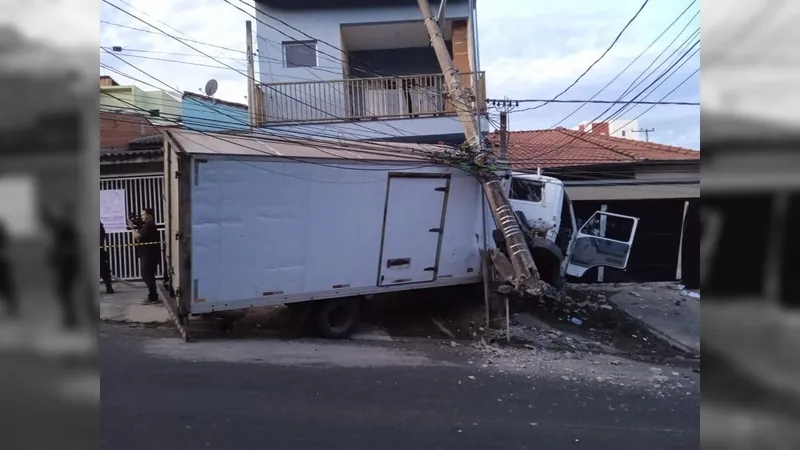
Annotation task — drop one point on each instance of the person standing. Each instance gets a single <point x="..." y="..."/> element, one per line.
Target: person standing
<point x="65" y="259"/>
<point x="7" y="291"/>
<point x="149" y="246"/>
<point x="105" y="264"/>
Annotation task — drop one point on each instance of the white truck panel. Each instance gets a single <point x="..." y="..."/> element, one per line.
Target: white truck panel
<point x="267" y="231"/>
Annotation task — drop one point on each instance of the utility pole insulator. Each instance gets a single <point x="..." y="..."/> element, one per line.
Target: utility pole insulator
<point x="646" y="132"/>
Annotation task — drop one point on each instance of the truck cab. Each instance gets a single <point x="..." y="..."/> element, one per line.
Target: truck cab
<point x="563" y="246"/>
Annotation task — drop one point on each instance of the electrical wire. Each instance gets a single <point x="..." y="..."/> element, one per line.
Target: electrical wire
<point x="240" y="72"/>
<point x="317" y="145"/>
<point x="206" y="106"/>
<point x="456" y="105"/>
<point x="602" y="176"/>
<point x="620" y="73"/>
<point x="581" y="134"/>
<point x="663" y="74"/>
<point x="666" y="74"/>
<point x="306" y="35"/>
<point x="655" y="88"/>
<point x="339" y="60"/>
<point x="665" y="96"/>
<point x="607" y="102"/>
<point x="639" y="80"/>
<point x="194" y="41"/>
<point x="633" y="84"/>
<point x="613" y="43"/>
<point x="193" y="63"/>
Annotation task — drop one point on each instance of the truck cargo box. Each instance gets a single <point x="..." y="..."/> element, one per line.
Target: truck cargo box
<point x="257" y="221"/>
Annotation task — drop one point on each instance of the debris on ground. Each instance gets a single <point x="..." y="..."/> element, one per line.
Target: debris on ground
<point x="585" y="368"/>
<point x="443" y="328"/>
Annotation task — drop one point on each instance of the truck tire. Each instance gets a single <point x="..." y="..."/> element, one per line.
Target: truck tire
<point x="548" y="258"/>
<point x="338" y="318"/>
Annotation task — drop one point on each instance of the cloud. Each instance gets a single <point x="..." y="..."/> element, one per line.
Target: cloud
<point x="528" y="49"/>
<point x="536" y="51"/>
<point x="178" y="66"/>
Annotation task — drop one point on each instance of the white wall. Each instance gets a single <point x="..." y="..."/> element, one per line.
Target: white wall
<point x="324" y="26"/>
<point x="318" y="102"/>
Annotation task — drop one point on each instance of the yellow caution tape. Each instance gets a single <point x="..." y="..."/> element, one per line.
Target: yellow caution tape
<point x="136" y="244"/>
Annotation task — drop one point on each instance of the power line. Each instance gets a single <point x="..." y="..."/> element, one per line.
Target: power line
<point x="620" y="73"/>
<point x="206" y="106"/>
<point x="665" y="96"/>
<point x="633" y="84"/>
<point x="580" y="135"/>
<point x="613" y="43"/>
<point x="664" y="74"/>
<point x="647" y="73"/>
<point x="602" y="102"/>
<point x="209" y="107"/>
<point x="373" y="147"/>
<point x="664" y="80"/>
<point x="200" y="105"/>
<point x="574" y="173"/>
<point x="156" y="52"/>
<point x="202" y="53"/>
<point x="359" y="147"/>
<point x="268" y="59"/>
<point x="308" y="36"/>
<point x="194" y="41"/>
<point x="244" y="74"/>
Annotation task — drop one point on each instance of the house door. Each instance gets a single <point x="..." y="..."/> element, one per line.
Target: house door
<point x="412" y="228"/>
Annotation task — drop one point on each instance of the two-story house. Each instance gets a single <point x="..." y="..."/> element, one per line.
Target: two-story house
<point x="363" y="69"/>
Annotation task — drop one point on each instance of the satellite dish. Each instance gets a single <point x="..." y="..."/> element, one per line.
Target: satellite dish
<point x="211" y="87"/>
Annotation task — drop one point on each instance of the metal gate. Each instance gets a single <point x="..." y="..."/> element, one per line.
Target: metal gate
<point x="141" y="192"/>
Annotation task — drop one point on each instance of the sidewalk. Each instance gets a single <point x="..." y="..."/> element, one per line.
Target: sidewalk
<point x="668" y="311"/>
<point x="123" y="305"/>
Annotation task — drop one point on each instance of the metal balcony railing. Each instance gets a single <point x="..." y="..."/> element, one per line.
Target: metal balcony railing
<point x="362" y="99"/>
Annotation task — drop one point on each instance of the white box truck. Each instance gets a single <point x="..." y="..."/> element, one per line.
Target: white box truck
<point x="258" y="222"/>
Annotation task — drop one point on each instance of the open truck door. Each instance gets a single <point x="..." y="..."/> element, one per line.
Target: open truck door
<point x="605" y="240"/>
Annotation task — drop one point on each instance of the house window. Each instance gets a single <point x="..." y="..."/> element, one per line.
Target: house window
<point x="300" y="54"/>
<point x="623" y="133"/>
<point x="527" y="190"/>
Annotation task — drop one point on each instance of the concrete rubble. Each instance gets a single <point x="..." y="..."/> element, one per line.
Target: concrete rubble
<point x="584" y="368"/>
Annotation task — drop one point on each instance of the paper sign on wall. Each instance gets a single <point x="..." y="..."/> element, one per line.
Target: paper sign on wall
<point x="113" y="213"/>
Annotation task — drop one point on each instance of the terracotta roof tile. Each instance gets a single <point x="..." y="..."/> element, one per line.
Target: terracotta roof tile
<point x="561" y="147"/>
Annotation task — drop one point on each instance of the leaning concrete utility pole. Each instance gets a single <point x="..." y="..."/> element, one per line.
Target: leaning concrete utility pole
<point x="504" y="216"/>
<point x="251" y="76"/>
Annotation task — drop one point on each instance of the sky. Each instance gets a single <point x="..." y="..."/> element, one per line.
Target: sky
<point x="528" y="49"/>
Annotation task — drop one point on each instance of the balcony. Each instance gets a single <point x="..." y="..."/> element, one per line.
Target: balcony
<point x="294" y="5"/>
<point x="363" y="99"/>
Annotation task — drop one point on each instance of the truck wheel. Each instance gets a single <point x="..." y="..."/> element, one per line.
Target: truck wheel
<point x="338" y="318"/>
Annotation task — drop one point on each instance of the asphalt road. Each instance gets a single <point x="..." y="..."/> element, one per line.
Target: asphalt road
<point x="44" y="404"/>
<point x="156" y="401"/>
